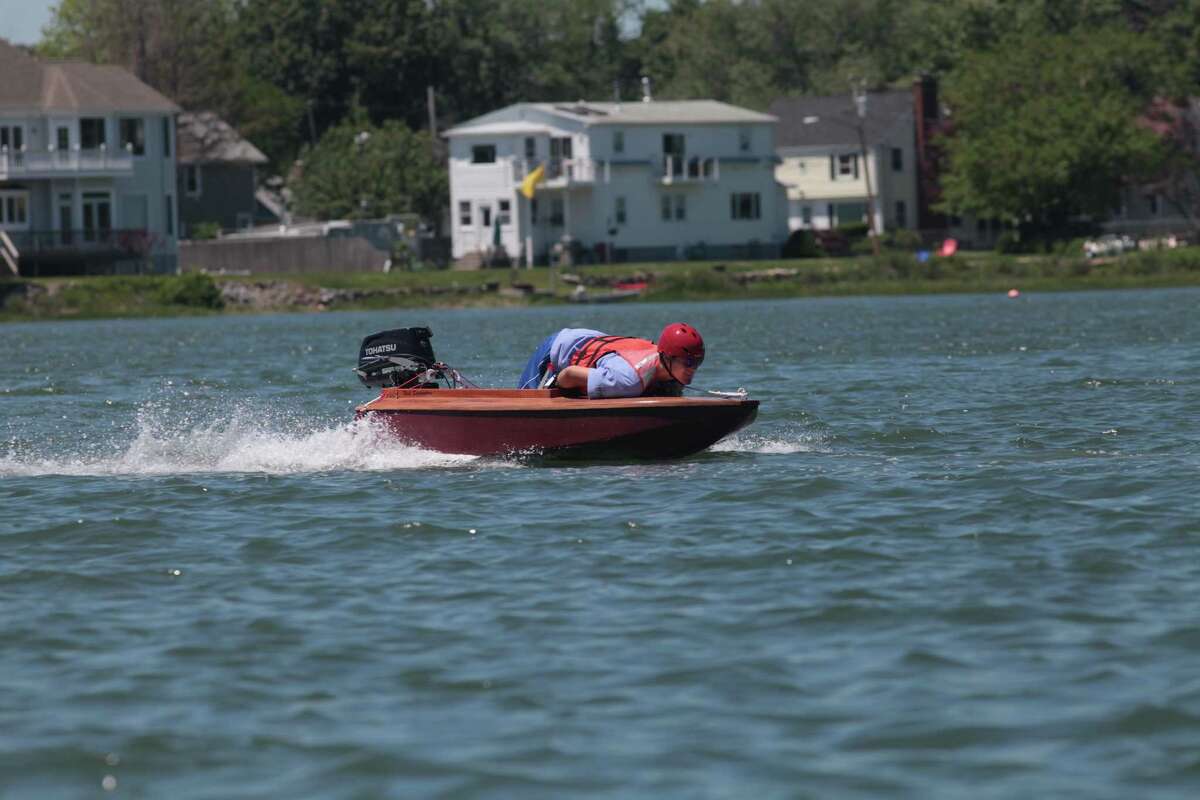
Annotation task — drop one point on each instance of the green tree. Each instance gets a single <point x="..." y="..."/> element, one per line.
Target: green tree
<point x="361" y="171"/>
<point x="1045" y="127"/>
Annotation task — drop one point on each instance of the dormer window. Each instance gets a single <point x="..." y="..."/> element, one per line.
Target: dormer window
<point x="483" y="154"/>
<point x="744" y="140"/>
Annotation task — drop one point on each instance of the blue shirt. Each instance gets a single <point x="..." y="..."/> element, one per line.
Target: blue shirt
<point x="611" y="376"/>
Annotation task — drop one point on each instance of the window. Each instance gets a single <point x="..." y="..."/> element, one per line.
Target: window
<point x="897" y="160"/>
<point x="901" y="214"/>
<point x="744" y="140"/>
<point x="464" y="213"/>
<point x="619" y="210"/>
<point x="485" y="216"/>
<point x="63" y="139"/>
<point x="618" y="141"/>
<point x="1152" y="204"/>
<point x="556" y="212"/>
<point x="191" y="180"/>
<point x="166" y="136"/>
<point x="745" y="205"/>
<point x="133" y="135"/>
<point x="806" y="215"/>
<point x="12" y="137"/>
<point x="560" y="147"/>
<point x="847" y="166"/>
<point x="14" y="210"/>
<point x="530" y="147"/>
<point x="91" y="133"/>
<point x="170" y="203"/>
<point x="483" y="154"/>
<point x="674" y="207"/>
<point x="505" y="213"/>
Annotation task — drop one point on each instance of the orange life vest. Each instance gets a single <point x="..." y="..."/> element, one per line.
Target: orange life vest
<point x="641" y="354"/>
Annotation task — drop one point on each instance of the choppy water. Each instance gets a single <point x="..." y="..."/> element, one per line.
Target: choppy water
<point x="957" y="555"/>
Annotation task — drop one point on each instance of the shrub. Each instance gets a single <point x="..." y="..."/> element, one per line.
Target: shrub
<point x="801" y="244"/>
<point x="195" y="289"/>
<point x="1009" y="242"/>
<point x="205" y="230"/>
<point x="853" y="230"/>
<point x="904" y="239"/>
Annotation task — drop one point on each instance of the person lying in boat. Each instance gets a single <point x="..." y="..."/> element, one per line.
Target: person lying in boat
<point x="616" y="366"/>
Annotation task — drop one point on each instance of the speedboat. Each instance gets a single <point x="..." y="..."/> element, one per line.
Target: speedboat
<point x="459" y="417"/>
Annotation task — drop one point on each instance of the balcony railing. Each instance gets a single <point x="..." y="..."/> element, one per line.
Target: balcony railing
<point x="50" y="163"/>
<point x="123" y="242"/>
<point x="563" y="171"/>
<point x="696" y="169"/>
<point x="92" y="251"/>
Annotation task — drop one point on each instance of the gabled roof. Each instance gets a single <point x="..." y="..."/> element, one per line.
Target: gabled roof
<point x="832" y="120"/>
<point x="29" y="84"/>
<point x="655" y="112"/>
<point x="205" y="138"/>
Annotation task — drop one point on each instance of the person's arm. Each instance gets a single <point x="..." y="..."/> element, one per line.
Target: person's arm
<point x="574" y="377"/>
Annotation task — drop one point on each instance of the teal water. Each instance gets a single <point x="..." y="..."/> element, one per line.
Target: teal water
<point x="957" y="555"/>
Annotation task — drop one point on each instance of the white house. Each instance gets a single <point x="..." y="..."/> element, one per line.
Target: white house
<point x="636" y="181"/>
<point x="87" y="167"/>
<point x="821" y="145"/>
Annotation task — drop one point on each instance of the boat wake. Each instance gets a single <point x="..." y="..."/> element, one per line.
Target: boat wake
<point x="240" y="443"/>
<point x="780" y="444"/>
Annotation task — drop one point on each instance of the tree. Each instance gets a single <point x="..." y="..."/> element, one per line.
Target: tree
<point x="1045" y="128"/>
<point x="362" y="171"/>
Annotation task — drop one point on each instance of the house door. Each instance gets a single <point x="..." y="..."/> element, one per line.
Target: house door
<point x="674" y="154"/>
<point x="560" y="151"/>
<point x="483" y="230"/>
<point x="97" y="216"/>
<point x="62" y="143"/>
<point x="66" y="217"/>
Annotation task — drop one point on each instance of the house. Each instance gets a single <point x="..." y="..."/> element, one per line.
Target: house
<point x="635" y="181"/>
<point x="217" y="178"/>
<point x="835" y="163"/>
<point x="87" y="167"/>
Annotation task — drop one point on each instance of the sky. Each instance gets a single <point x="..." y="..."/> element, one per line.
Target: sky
<point x="21" y="21"/>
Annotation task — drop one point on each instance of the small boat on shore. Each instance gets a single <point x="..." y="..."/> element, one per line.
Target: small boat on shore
<point x="415" y="408"/>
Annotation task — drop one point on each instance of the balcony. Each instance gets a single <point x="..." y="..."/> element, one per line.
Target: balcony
<point x="563" y="172"/>
<point x="99" y="162"/>
<point x="697" y="169"/>
<point x="91" y="251"/>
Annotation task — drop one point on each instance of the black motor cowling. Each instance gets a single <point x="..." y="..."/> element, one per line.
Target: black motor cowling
<point x="396" y="358"/>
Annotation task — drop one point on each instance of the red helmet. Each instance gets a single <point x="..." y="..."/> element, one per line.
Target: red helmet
<point x="680" y="340"/>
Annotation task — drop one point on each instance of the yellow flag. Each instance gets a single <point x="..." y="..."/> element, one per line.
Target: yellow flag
<point x="529" y="185"/>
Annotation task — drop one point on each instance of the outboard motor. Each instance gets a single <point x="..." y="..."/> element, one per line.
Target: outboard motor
<point x="396" y="358"/>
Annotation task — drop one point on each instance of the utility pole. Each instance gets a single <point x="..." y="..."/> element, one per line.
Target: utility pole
<point x="431" y="107"/>
<point x="860" y="103"/>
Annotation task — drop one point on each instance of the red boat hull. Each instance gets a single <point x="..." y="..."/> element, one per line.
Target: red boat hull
<point x="548" y="423"/>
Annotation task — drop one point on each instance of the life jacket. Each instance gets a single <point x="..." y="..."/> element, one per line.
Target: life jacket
<point x="641" y="354"/>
